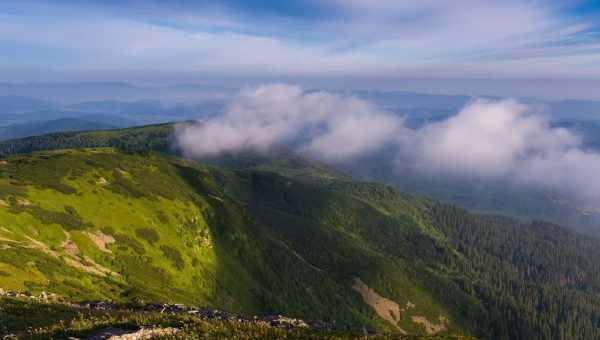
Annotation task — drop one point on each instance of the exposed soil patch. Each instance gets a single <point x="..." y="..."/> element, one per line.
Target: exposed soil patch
<point x="23" y="202"/>
<point x="385" y="308"/>
<point x="72" y="259"/>
<point x="69" y="246"/>
<point x="431" y="328"/>
<point x="101" y="240"/>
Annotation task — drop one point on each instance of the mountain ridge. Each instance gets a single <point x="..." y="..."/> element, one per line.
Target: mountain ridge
<point x="487" y="198"/>
<point x="250" y="240"/>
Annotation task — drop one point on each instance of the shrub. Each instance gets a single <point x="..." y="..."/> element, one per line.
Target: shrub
<point x="150" y="235"/>
<point x="69" y="219"/>
<point x="162" y="217"/>
<point x="173" y="255"/>
<point x="130" y="242"/>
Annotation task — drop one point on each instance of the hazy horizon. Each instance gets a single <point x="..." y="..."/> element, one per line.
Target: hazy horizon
<point x="543" y="89"/>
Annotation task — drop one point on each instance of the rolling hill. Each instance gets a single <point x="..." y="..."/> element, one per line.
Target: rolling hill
<point x="11" y="104"/>
<point x="115" y="220"/>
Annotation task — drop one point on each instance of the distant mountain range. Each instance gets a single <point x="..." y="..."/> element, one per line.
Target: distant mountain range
<point x="21" y="103"/>
<point x="408" y="102"/>
<point x="15" y="109"/>
<point x="11" y="104"/>
<point x="51" y="126"/>
<point x="69" y="93"/>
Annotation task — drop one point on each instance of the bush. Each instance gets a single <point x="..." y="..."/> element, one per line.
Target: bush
<point x="150" y="235"/>
<point x="130" y="242"/>
<point x="174" y="256"/>
<point x="69" y="219"/>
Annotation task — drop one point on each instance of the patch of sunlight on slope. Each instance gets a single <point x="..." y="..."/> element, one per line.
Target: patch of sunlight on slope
<point x="126" y="215"/>
<point x="177" y="225"/>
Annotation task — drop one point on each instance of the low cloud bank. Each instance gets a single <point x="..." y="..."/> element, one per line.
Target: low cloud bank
<point x="487" y="138"/>
<point x="325" y="125"/>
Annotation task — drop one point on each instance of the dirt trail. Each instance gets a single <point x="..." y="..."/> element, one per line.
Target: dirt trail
<point x="298" y="256"/>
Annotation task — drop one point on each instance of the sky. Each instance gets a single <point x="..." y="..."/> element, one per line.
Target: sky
<point x="375" y="39"/>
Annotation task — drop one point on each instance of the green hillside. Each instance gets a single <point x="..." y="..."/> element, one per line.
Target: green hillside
<point x="135" y="139"/>
<point x="100" y="224"/>
<point x="475" y="195"/>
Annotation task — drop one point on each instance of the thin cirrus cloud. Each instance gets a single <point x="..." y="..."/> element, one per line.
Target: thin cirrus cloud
<point x="355" y="37"/>
<point x="494" y="139"/>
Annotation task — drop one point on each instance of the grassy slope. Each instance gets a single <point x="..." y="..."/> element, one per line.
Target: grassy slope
<point x="181" y="238"/>
<point x="483" y="197"/>
<point x="258" y="242"/>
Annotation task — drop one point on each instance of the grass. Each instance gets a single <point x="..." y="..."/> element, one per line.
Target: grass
<point x="50" y="214"/>
<point x="36" y="320"/>
<point x="245" y="241"/>
<point x="277" y="235"/>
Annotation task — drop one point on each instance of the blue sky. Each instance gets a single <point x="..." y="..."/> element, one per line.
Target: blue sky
<point x="309" y="38"/>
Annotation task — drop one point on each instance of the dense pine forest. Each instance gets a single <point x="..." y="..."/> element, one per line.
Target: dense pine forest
<point x="537" y="279"/>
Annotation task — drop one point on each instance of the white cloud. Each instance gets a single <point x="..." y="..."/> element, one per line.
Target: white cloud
<point x="125" y="44"/>
<point x="492" y="139"/>
<point x="572" y="171"/>
<point x="489" y="138"/>
<point x="354" y="134"/>
<point x="510" y="141"/>
<point x="327" y="126"/>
